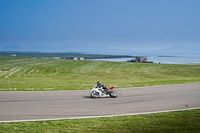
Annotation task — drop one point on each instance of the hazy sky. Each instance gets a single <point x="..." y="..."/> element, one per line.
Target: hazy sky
<point x="124" y="24"/>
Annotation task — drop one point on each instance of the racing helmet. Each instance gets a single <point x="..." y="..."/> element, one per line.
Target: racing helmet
<point x="98" y="83"/>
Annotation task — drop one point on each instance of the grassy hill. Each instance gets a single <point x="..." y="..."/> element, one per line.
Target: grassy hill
<point x="27" y="74"/>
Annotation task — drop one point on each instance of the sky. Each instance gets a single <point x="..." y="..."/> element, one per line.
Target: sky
<point x="122" y="24"/>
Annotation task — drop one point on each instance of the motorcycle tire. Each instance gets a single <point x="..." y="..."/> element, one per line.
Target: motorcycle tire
<point x="113" y="94"/>
<point x="94" y="94"/>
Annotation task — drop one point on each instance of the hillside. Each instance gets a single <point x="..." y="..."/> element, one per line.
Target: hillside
<point x="27" y="74"/>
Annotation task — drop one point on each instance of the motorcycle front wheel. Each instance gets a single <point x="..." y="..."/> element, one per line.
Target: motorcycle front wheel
<point x="94" y="94"/>
<point x="113" y="94"/>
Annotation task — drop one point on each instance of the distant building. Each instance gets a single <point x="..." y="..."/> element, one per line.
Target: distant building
<point x="140" y="59"/>
<point x="56" y="57"/>
<point x="78" y="58"/>
<point x="81" y="58"/>
<point x="13" y="55"/>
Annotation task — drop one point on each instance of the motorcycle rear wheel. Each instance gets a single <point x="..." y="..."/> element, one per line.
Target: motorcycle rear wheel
<point x="94" y="94"/>
<point x="113" y="94"/>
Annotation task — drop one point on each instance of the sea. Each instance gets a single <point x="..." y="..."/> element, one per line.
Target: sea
<point x="176" y="58"/>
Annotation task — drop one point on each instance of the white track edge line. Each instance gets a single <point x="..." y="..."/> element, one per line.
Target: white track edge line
<point x="87" y="117"/>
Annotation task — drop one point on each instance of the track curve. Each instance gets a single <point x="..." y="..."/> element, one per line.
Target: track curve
<point x="22" y="106"/>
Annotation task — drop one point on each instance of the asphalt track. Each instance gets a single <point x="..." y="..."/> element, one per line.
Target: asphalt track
<point x="22" y="106"/>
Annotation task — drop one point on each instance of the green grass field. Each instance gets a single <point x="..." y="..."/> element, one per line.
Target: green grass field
<point x="28" y="74"/>
<point x="173" y="122"/>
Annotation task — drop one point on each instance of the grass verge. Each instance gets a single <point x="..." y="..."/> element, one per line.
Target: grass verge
<point x="181" y="121"/>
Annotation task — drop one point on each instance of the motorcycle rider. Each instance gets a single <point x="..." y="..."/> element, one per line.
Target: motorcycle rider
<point x="100" y="85"/>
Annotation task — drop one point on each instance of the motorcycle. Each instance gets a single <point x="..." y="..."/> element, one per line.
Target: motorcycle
<point x="100" y="92"/>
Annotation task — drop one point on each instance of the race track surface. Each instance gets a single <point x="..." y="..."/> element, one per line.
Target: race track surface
<point x="68" y="104"/>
